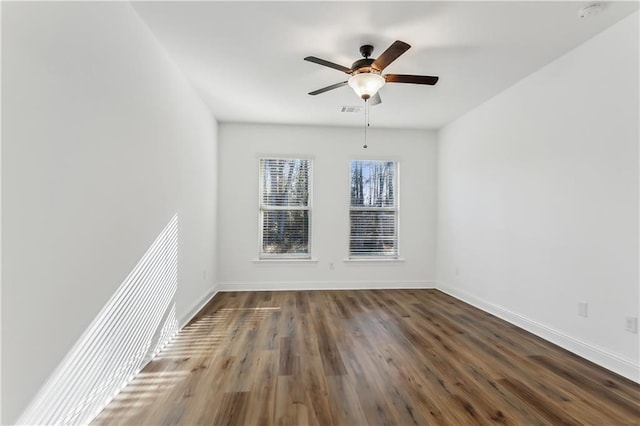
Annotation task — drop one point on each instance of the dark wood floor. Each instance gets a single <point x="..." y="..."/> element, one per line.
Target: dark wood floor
<point x="392" y="357"/>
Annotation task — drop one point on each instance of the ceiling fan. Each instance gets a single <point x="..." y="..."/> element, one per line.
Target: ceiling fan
<point x="366" y="78"/>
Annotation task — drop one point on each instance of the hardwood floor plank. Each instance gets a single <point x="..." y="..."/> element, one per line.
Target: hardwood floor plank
<point x="287" y="356"/>
<point x="231" y="409"/>
<point x="261" y="403"/>
<point x="366" y="357"/>
<point x="550" y="411"/>
<point x="343" y="401"/>
<point x="331" y="359"/>
<point x="625" y="408"/>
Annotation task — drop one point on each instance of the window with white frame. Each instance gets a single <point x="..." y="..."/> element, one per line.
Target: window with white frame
<point x="374" y="209"/>
<point x="285" y="208"/>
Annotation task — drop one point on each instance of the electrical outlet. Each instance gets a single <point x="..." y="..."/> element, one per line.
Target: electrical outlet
<point x="583" y="309"/>
<point x="204" y="274"/>
<point x="332" y="266"/>
<point x="631" y="324"/>
<point x="457" y="272"/>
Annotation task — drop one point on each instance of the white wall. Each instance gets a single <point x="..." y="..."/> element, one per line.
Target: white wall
<point x="240" y="146"/>
<point x="538" y="200"/>
<point x="103" y="142"/>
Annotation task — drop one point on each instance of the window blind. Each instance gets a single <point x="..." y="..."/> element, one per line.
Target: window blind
<point x="284" y="207"/>
<point x="373" y="209"/>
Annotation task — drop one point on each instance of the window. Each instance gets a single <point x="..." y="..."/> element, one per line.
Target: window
<point x="374" y="209"/>
<point x="285" y="211"/>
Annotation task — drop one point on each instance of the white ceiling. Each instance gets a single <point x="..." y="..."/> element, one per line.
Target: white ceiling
<point x="246" y="58"/>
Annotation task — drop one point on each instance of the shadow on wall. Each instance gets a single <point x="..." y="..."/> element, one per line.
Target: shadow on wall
<point x="136" y="323"/>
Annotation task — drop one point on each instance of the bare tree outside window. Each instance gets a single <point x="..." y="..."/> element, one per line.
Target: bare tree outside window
<point x="373" y="209"/>
<point x="284" y="207"/>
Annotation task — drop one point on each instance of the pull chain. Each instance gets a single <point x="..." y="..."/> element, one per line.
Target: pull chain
<point x="366" y="121"/>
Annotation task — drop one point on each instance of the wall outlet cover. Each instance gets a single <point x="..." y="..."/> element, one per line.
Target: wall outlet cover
<point x="583" y="309"/>
<point x="631" y="324"/>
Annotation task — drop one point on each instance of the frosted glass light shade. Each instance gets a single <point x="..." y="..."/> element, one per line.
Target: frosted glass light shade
<point x="366" y="84"/>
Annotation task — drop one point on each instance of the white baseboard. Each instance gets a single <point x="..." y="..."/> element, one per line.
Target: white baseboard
<point x="197" y="306"/>
<point x="322" y="285"/>
<point x="622" y="366"/>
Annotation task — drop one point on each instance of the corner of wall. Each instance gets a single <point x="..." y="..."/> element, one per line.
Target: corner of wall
<point x="198" y="305"/>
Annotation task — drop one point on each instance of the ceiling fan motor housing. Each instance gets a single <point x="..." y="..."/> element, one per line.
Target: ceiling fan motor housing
<point x="362" y="65"/>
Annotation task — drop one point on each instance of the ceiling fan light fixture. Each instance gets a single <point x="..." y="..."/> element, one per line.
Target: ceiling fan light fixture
<point x="366" y="84"/>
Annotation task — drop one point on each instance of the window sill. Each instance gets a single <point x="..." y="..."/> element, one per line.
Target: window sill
<point x="374" y="260"/>
<point x="281" y="260"/>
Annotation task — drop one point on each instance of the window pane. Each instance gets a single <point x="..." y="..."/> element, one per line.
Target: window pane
<point x="285" y="232"/>
<point x="373" y="209"/>
<point x="373" y="233"/>
<point x="372" y="183"/>
<point x="285" y="182"/>
<point x="284" y="206"/>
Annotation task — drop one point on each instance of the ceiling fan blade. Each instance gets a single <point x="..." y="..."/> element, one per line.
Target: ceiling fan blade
<point x="326" y="89"/>
<point x="415" y="79"/>
<point x="391" y="54"/>
<point x="328" y="64"/>
<point x="375" y="100"/>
